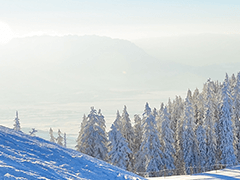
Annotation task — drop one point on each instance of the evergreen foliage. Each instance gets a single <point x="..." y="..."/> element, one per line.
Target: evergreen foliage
<point x="128" y="134"/>
<point x="189" y="144"/>
<point x="208" y="124"/>
<point x="167" y="136"/>
<point x="228" y="157"/>
<point x="185" y="137"/>
<point x="52" y="138"/>
<point x="64" y="140"/>
<point x="59" y="139"/>
<point x="119" y="149"/>
<point x="150" y="155"/>
<point x="93" y="138"/>
<point x="16" y="125"/>
<point x="80" y="139"/>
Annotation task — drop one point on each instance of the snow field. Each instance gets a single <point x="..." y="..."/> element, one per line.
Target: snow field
<point x="26" y="157"/>
<point x="232" y="173"/>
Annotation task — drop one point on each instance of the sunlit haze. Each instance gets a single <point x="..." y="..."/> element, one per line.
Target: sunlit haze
<point x="60" y="57"/>
<point x="122" y="19"/>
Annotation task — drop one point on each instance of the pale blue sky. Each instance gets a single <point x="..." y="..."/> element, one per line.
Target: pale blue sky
<point x="126" y="19"/>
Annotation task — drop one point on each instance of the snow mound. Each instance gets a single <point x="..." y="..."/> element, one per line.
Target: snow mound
<point x="232" y="173"/>
<point x="25" y="157"/>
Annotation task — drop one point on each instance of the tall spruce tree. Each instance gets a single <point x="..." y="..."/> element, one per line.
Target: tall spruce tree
<point x="202" y="146"/>
<point x="228" y="157"/>
<point x="177" y="117"/>
<point x="189" y="144"/>
<point x="168" y="140"/>
<point x="80" y="139"/>
<point x="59" y="139"/>
<point x="150" y="155"/>
<point x="16" y="125"/>
<point x="119" y="150"/>
<point x="138" y="134"/>
<point x="64" y="140"/>
<point x="128" y="134"/>
<point x="118" y="122"/>
<point x="94" y="138"/>
<point x="52" y="138"/>
<point x="209" y="126"/>
<point x="236" y="115"/>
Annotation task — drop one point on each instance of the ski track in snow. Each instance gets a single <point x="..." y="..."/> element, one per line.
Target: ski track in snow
<point x="24" y="157"/>
<point x="232" y="173"/>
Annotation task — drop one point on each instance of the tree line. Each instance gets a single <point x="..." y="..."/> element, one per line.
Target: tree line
<point x="185" y="136"/>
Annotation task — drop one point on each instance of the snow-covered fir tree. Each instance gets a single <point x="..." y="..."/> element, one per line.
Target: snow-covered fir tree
<point x="159" y="119"/>
<point x="128" y="134"/>
<point x="52" y="138"/>
<point x="118" y="123"/>
<point x="16" y="125"/>
<point x="59" y="139"/>
<point x="150" y="155"/>
<point x="64" y="140"/>
<point x="202" y="147"/>
<point x="154" y="112"/>
<point x="94" y="139"/>
<point x="80" y="139"/>
<point x="138" y="134"/>
<point x="178" y="134"/>
<point x="226" y="138"/>
<point x="189" y="144"/>
<point x="101" y="140"/>
<point x="119" y="150"/>
<point x="236" y="115"/>
<point x="168" y="140"/>
<point x="216" y="94"/>
<point x="209" y="126"/>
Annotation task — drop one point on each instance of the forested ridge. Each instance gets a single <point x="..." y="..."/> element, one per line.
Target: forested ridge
<point x="185" y="136"/>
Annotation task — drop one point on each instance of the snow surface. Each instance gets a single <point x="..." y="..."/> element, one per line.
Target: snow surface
<point x="25" y="157"/>
<point x="232" y="173"/>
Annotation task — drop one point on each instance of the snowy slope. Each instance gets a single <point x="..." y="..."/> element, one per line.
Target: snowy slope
<point x="232" y="173"/>
<point x="26" y="157"/>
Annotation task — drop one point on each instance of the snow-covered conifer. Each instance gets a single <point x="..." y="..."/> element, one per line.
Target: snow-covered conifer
<point x="80" y="139"/>
<point x="64" y="140"/>
<point x="228" y="157"/>
<point x="94" y="139"/>
<point x="137" y="132"/>
<point x="189" y="144"/>
<point x="119" y="150"/>
<point x="168" y="140"/>
<point x="154" y="112"/>
<point x="159" y="119"/>
<point x="177" y="118"/>
<point x="16" y="125"/>
<point x="236" y="115"/>
<point x="150" y="154"/>
<point x="118" y="123"/>
<point x="201" y="138"/>
<point x="52" y="138"/>
<point x="59" y="139"/>
<point x="128" y="134"/>
<point x="209" y="126"/>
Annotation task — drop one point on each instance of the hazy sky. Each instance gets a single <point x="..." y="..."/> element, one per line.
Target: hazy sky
<point x="127" y="19"/>
<point x="124" y="19"/>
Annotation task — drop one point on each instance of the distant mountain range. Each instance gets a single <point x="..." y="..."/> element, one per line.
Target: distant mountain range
<point x="54" y="80"/>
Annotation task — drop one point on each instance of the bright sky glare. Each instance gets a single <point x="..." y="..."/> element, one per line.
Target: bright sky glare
<point x="125" y="19"/>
